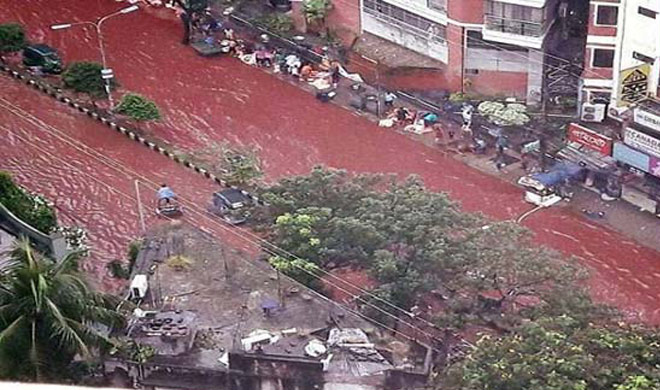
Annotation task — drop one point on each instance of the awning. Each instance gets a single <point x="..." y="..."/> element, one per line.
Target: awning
<point x="587" y="158"/>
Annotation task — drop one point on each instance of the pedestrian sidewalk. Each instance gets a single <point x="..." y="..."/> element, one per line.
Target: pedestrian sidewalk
<point x="619" y="215"/>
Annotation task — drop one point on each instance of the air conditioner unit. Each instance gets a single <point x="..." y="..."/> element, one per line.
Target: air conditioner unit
<point x="593" y="112"/>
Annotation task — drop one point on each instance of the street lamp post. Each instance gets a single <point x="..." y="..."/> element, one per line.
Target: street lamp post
<point x="106" y="73"/>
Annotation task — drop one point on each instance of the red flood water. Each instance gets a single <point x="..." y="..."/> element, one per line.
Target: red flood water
<point x="219" y="99"/>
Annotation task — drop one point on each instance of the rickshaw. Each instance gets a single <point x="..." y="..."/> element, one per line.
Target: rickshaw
<point x="167" y="204"/>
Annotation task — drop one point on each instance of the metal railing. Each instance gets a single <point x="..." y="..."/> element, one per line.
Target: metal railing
<point x="404" y="27"/>
<point x="514" y="26"/>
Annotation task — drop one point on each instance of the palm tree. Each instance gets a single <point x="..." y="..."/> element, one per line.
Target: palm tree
<point x="48" y="315"/>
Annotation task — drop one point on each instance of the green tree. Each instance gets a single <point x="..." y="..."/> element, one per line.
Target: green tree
<point x="138" y="108"/>
<point x="415" y="241"/>
<point x="300" y="270"/>
<point x="85" y="77"/>
<point x="12" y="37"/>
<point x="47" y="315"/>
<point x="239" y="166"/>
<point x="561" y="353"/>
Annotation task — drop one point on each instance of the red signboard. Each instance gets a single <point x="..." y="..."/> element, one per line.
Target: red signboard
<point x="590" y="139"/>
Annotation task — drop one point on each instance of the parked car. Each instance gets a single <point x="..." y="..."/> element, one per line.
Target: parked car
<point x="44" y="57"/>
<point x="231" y="205"/>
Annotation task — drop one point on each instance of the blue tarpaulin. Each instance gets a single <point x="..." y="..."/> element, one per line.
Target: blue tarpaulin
<point x="558" y="173"/>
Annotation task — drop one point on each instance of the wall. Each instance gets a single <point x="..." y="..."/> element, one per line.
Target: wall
<point x="498" y="83"/>
<point x="466" y="11"/>
<point x="344" y="20"/>
<point x="429" y="48"/>
<point x="54" y="244"/>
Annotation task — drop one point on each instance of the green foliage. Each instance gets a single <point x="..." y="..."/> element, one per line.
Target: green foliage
<point x="134" y="351"/>
<point x="316" y="11"/>
<point x="239" y="166"/>
<point x="117" y="270"/>
<point x="138" y="108"/>
<point x="134" y="249"/>
<point x="47" y="315"/>
<point x="415" y="241"/>
<point x="300" y="270"/>
<point x="560" y="353"/>
<point x="85" y="77"/>
<point x="12" y="37"/>
<point x="32" y="209"/>
<point x="280" y="23"/>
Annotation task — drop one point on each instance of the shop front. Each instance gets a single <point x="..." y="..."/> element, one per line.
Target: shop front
<point x="592" y="151"/>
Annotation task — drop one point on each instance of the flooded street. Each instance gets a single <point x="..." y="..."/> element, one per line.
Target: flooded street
<point x="89" y="171"/>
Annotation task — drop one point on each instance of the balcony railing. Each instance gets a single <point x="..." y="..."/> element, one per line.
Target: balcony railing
<point x="513" y="26"/>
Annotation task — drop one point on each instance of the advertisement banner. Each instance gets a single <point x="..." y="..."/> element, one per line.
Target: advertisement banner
<point x="633" y="84"/>
<point x="630" y="156"/>
<point x="641" y="141"/>
<point x="647" y="119"/>
<point x="590" y="139"/>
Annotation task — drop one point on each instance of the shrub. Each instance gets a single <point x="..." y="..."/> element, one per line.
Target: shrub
<point x="276" y="22"/>
<point x="32" y="209"/>
<point x="12" y="37"/>
<point x="179" y="263"/>
<point x="138" y="108"/>
<point x="85" y="77"/>
<point x="315" y="11"/>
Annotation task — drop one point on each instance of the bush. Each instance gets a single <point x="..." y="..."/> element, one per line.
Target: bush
<point x="32" y="209"/>
<point x="179" y="263"/>
<point x="279" y="23"/>
<point x="300" y="270"/>
<point x="315" y="11"/>
<point x="85" y="77"/>
<point x="12" y="37"/>
<point x="134" y="249"/>
<point x="117" y="270"/>
<point x="138" y="108"/>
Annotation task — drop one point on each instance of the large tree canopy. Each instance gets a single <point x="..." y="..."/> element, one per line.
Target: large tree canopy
<point x="561" y="353"/>
<point x="416" y="241"/>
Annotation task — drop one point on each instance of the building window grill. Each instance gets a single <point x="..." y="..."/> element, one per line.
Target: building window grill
<point x="514" y="19"/>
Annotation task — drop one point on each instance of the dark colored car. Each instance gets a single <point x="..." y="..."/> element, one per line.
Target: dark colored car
<point x="44" y="57"/>
<point x="231" y="204"/>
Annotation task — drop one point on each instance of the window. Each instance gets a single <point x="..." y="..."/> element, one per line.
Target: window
<point x="647" y="12"/>
<point x="602" y="58"/>
<point x="606" y="15"/>
<point x="514" y="19"/>
<point x="438" y="5"/>
<point x="408" y="21"/>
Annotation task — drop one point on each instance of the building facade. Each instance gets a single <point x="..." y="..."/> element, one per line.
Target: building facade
<point x="622" y="54"/>
<point x="485" y="46"/>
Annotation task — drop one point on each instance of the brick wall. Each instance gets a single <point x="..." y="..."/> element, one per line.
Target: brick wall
<point x="498" y="83"/>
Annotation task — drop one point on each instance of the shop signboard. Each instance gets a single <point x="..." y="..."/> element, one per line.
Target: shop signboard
<point x="641" y="141"/>
<point x="654" y="166"/>
<point x="647" y="119"/>
<point x="634" y="84"/>
<point x="630" y="156"/>
<point x="590" y="139"/>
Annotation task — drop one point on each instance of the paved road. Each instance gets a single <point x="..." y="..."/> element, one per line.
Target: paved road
<point x="216" y="100"/>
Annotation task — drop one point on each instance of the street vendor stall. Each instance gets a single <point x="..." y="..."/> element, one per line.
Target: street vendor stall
<point x="545" y="189"/>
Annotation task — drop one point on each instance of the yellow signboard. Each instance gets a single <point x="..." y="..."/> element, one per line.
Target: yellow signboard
<point x="633" y="84"/>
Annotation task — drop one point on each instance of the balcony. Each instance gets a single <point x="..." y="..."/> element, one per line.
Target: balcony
<point x="512" y="26"/>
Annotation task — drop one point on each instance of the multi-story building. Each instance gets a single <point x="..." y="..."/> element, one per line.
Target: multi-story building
<point x="622" y="55"/>
<point x="492" y="46"/>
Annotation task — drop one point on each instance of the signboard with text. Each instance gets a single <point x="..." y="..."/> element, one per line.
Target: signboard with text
<point x="647" y="119"/>
<point x="590" y="139"/>
<point x="634" y="84"/>
<point x="641" y="141"/>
